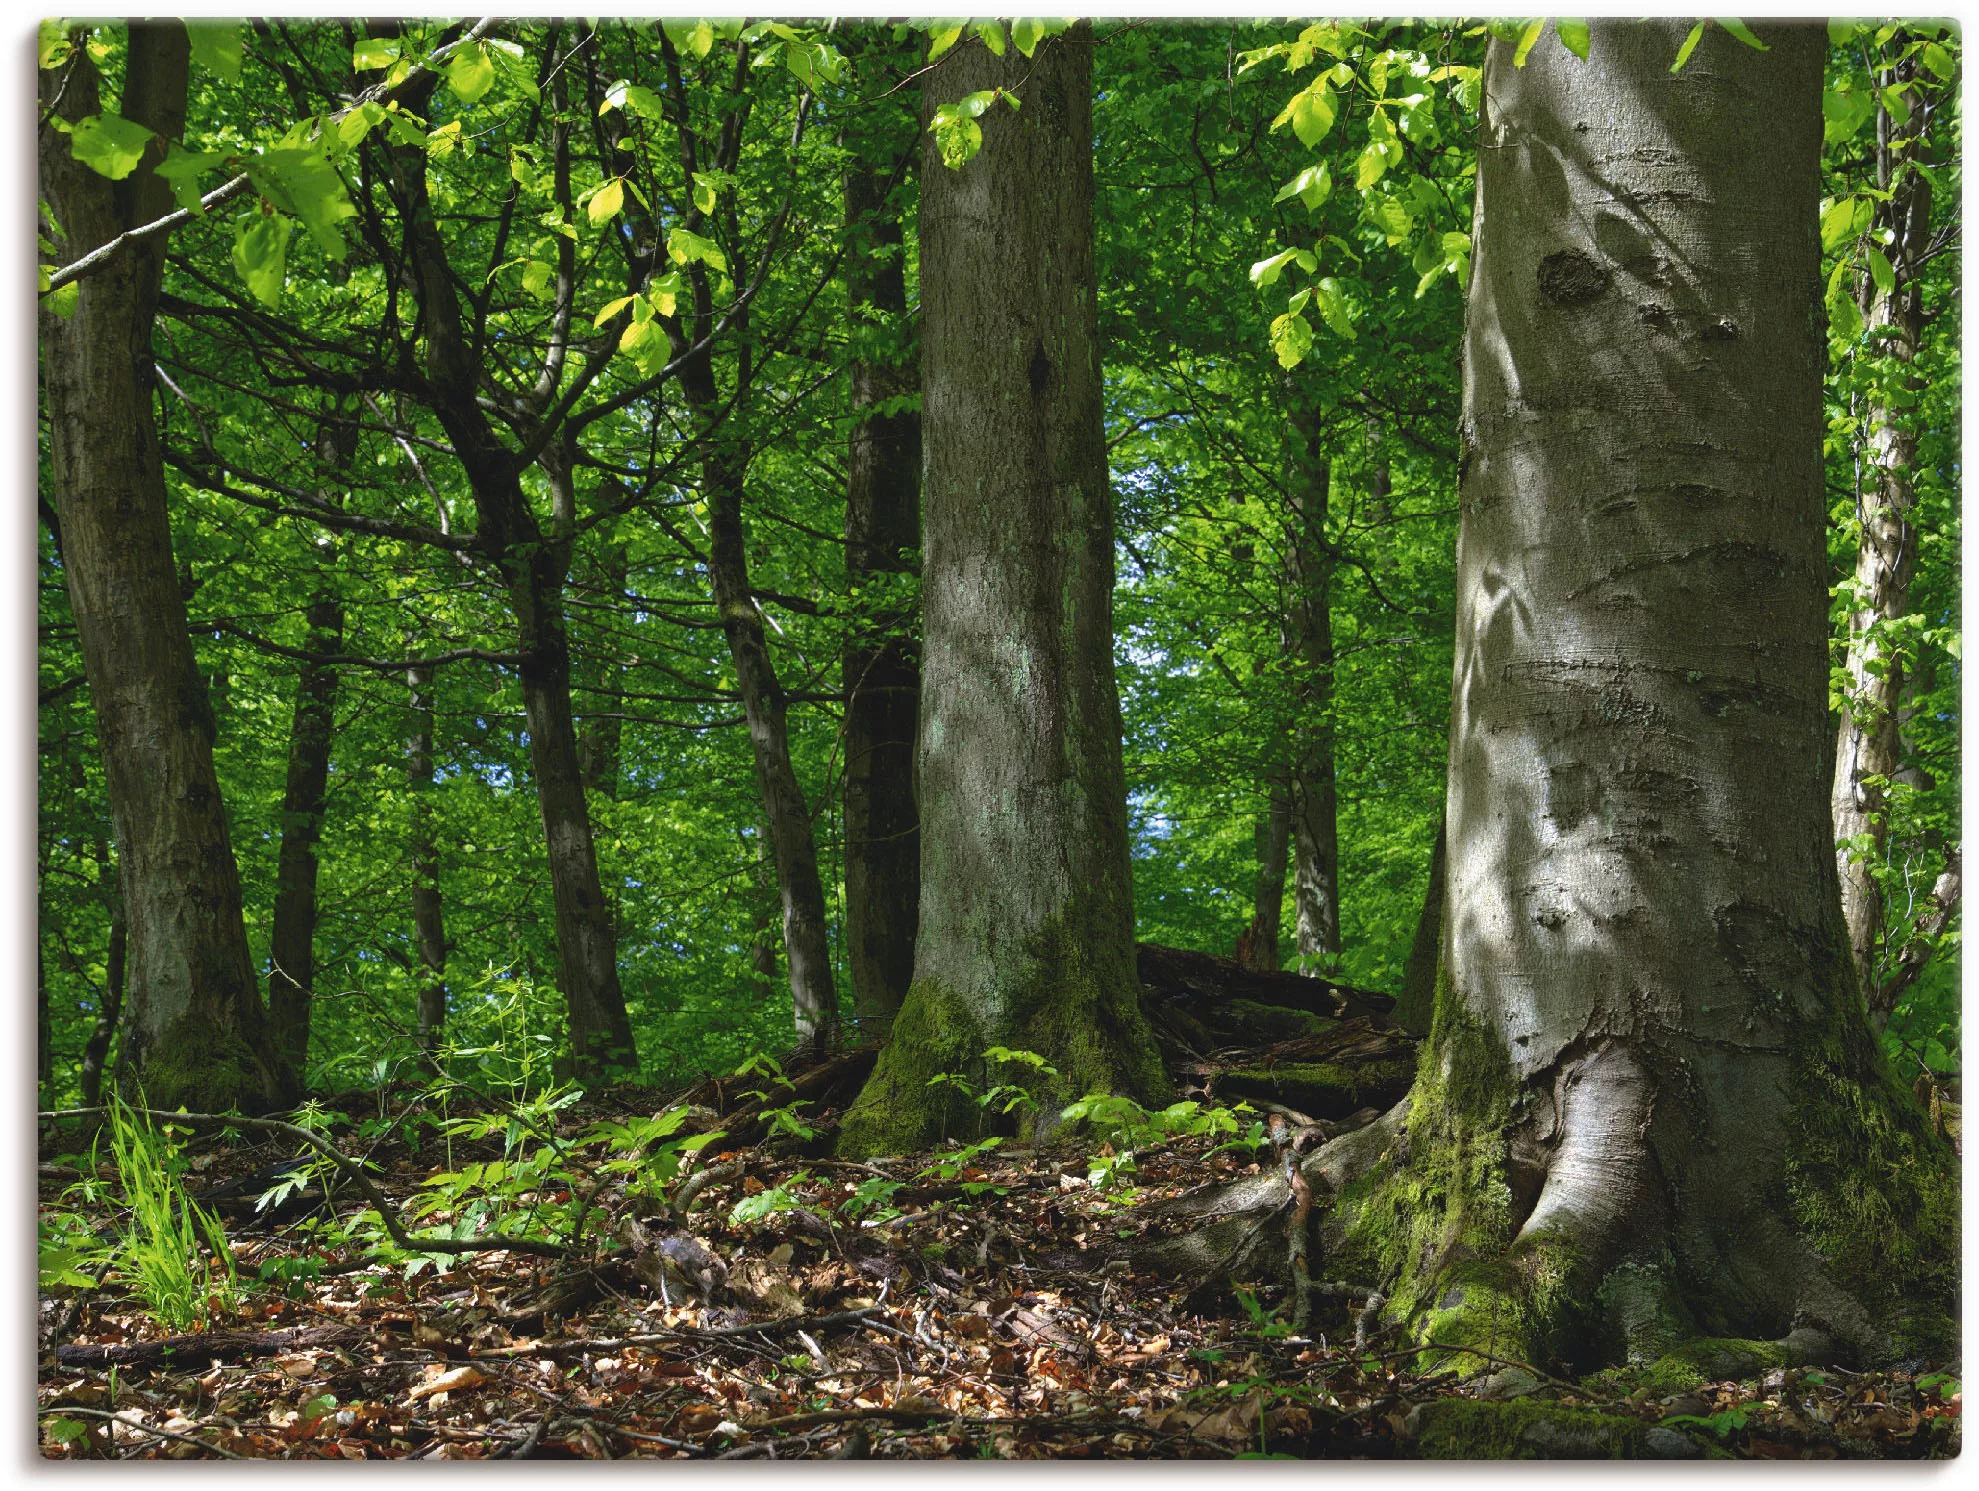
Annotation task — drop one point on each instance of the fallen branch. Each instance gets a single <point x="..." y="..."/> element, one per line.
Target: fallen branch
<point x="207" y="1345"/>
<point x="142" y="1428"/>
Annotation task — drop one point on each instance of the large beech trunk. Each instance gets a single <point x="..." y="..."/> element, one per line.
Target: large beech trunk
<point x="197" y="1032"/>
<point x="429" y="933"/>
<point x="1026" y="934"/>
<point x="1869" y="752"/>
<point x="1650" y="1104"/>
<point x="881" y="666"/>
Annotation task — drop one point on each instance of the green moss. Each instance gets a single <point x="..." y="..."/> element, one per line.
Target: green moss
<point x="1270" y="1022"/>
<point x="1870" y="1186"/>
<point x="1074" y="1005"/>
<point x="203" y="1068"/>
<point x="1467" y="1429"/>
<point x="1710" y="1359"/>
<point x="1322" y="1089"/>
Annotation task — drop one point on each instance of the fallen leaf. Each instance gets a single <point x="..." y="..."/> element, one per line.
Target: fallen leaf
<point x="448" y="1382"/>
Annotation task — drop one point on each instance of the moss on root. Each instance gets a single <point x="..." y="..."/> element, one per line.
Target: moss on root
<point x="1080" y="1012"/>
<point x="1872" y="1188"/>
<point x="204" y="1068"/>
<point x="1468" y="1429"/>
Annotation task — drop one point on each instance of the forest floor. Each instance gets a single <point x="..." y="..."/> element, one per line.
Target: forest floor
<point x="944" y="1305"/>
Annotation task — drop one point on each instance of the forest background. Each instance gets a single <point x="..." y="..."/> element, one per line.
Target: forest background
<point x="1249" y="618"/>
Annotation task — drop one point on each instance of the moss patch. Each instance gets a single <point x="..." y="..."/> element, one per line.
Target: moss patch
<point x="1871" y="1187"/>
<point x="1264" y="1023"/>
<point x="203" y="1068"/>
<point x="1467" y="1429"/>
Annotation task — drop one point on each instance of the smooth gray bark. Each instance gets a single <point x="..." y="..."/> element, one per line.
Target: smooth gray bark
<point x="197" y="1030"/>
<point x="1651" y="1103"/>
<point x="1026" y="934"/>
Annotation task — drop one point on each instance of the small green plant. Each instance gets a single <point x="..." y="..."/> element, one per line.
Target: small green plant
<point x="956" y="1163"/>
<point x="873" y="1195"/>
<point x="1126" y="1127"/>
<point x="768" y="1202"/>
<point x="1265" y="1322"/>
<point x="69" y="1251"/>
<point x="1723" y="1423"/>
<point x="1003" y="1098"/>
<point x="159" y="1252"/>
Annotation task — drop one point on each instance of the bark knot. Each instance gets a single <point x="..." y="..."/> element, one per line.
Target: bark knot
<point x="1570" y="277"/>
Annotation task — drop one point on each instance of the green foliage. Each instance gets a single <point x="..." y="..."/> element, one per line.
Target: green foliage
<point x="172" y="1252"/>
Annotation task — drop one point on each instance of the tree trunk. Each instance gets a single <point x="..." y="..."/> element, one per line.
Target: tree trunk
<point x="1869" y="751"/>
<point x="1026" y="932"/>
<point x="292" y="935"/>
<point x="1650" y="1105"/>
<point x="1257" y="948"/>
<point x="1315" y="801"/>
<point x="1417" y="1000"/>
<point x="813" y="995"/>
<point x="429" y="933"/>
<point x="881" y="664"/>
<point x="534" y="562"/>
<point x="96" y="1050"/>
<point x="599" y="741"/>
<point x="198" y="1033"/>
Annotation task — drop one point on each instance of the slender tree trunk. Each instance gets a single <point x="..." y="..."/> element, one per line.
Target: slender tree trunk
<point x="1417" y="1001"/>
<point x="882" y="669"/>
<point x="1257" y="948"/>
<point x="1650" y="1105"/>
<point x="814" y="997"/>
<point x="1026" y="934"/>
<point x="292" y="936"/>
<point x="96" y="1050"/>
<point x="44" y="1035"/>
<point x="429" y="934"/>
<point x="198" y="1033"/>
<point x="1869" y="752"/>
<point x="600" y="739"/>
<point x="534" y="562"/>
<point x="1315" y="799"/>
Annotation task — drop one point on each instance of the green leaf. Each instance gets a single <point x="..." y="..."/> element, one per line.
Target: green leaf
<point x="63" y="301"/>
<point x="1844" y="220"/>
<point x="1881" y="271"/>
<point x="663" y="293"/>
<point x="261" y="253"/>
<point x="470" y="74"/>
<point x="1265" y="272"/>
<point x="607" y="200"/>
<point x="373" y="53"/>
<point x="1391" y="217"/>
<point x="181" y="170"/>
<point x="1573" y="36"/>
<point x="303" y="182"/>
<point x="1332" y="303"/>
<point x="612" y="308"/>
<point x="1030" y="33"/>
<point x="942" y="40"/>
<point x="1739" y="29"/>
<point x="704" y="193"/>
<point x="536" y="278"/>
<point x="52" y="45"/>
<point x="956" y="132"/>
<point x="685" y="248"/>
<point x="1311" y="186"/>
<point x="992" y="35"/>
<point x="1689" y="46"/>
<point x="1534" y="29"/>
<point x="1291" y="339"/>
<point x="216" y="46"/>
<point x="1939" y="61"/>
<point x="109" y="144"/>
<point x="1897" y="104"/>
<point x="1311" y="113"/>
<point x="358" y="123"/>
<point x="1841" y="30"/>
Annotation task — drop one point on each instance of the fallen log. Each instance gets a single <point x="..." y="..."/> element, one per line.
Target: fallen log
<point x="1201" y="983"/>
<point x="198" y="1350"/>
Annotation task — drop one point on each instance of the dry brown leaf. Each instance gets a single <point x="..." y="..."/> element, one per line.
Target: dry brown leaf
<point x="449" y="1382"/>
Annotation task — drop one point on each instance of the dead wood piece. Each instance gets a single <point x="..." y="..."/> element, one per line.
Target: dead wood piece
<point x="208" y="1345"/>
<point x="1202" y="980"/>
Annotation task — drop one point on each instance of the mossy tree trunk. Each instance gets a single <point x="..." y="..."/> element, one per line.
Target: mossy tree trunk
<point x="197" y="1031"/>
<point x="1650" y="1105"/>
<point x="881" y="663"/>
<point x="1026" y="933"/>
<point x="1869" y="752"/>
